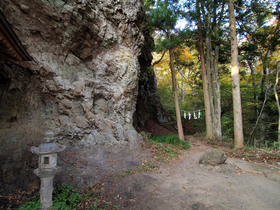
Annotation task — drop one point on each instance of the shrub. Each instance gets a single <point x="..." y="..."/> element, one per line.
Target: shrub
<point x="64" y="197"/>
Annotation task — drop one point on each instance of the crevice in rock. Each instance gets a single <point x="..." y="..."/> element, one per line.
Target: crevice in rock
<point x="148" y="107"/>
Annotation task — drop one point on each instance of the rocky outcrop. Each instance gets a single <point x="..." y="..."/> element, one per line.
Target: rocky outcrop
<point x="82" y="84"/>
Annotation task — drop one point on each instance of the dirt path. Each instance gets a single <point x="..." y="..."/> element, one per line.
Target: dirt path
<point x="189" y="185"/>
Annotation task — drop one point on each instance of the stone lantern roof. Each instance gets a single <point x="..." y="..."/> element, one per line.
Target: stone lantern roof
<point x="47" y="148"/>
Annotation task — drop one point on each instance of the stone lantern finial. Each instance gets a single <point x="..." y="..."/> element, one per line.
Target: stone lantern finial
<point x="49" y="136"/>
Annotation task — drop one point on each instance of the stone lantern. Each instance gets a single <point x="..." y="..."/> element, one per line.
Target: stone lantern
<point x="47" y="169"/>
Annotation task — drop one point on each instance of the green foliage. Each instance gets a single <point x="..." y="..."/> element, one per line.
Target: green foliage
<point x="171" y="140"/>
<point x="166" y="98"/>
<point x="227" y="126"/>
<point x="259" y="53"/>
<point x="165" y="154"/>
<point x="64" y="197"/>
<point x="164" y="15"/>
<point x="147" y="166"/>
<point x="148" y="4"/>
<point x="33" y="203"/>
<point x="276" y="146"/>
<point x="145" y="135"/>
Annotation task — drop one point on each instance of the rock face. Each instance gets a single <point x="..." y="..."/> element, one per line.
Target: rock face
<point x="213" y="158"/>
<point x="148" y="105"/>
<point x="82" y="84"/>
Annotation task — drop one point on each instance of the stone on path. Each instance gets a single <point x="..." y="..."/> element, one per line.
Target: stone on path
<point x="199" y="206"/>
<point x="213" y="158"/>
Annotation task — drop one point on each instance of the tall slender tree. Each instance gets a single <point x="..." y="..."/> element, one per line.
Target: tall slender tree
<point x="163" y="18"/>
<point x="205" y="82"/>
<point x="209" y="15"/>
<point x="277" y="97"/>
<point x="237" y="109"/>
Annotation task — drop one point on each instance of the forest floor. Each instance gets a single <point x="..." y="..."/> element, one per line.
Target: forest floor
<point x="186" y="184"/>
<point x="250" y="179"/>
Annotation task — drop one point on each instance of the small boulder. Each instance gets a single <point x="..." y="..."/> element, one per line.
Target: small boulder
<point x="213" y="158"/>
<point x="199" y="206"/>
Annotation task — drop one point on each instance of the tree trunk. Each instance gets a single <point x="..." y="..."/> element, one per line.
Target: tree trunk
<point x="277" y="98"/>
<point x="237" y="109"/>
<point x="209" y="78"/>
<point x="215" y="83"/>
<point x="213" y="90"/>
<point x="208" y="118"/>
<point x="175" y="92"/>
<point x="216" y="94"/>
<point x="205" y="82"/>
<point x="213" y="79"/>
<point x="182" y="88"/>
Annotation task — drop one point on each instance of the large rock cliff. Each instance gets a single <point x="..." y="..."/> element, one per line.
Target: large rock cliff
<point x="82" y="84"/>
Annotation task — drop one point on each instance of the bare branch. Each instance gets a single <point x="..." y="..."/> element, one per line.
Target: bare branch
<point x="160" y="58"/>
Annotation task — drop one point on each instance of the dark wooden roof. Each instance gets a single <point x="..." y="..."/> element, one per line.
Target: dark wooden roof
<point x="10" y="46"/>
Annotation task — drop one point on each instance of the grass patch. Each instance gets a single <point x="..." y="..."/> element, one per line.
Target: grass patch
<point x="66" y="197"/>
<point x="164" y="153"/>
<point x="148" y="166"/>
<point x="174" y="140"/>
<point x="164" y="148"/>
